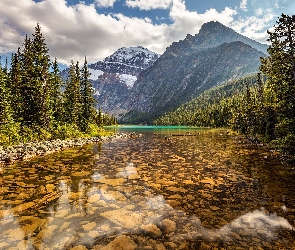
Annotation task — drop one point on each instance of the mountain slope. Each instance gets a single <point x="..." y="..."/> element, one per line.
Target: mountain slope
<point x="189" y="67"/>
<point x="196" y="112"/>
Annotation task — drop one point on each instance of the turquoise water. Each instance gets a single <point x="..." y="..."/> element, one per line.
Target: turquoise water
<point x="167" y="130"/>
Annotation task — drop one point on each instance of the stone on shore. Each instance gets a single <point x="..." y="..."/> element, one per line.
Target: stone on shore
<point x="31" y="149"/>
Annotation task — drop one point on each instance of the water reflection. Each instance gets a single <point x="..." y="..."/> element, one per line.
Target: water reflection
<point x="182" y="193"/>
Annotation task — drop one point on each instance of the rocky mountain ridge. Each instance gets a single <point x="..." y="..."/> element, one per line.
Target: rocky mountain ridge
<point x="211" y="34"/>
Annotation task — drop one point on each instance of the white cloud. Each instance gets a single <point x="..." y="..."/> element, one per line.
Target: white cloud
<point x="149" y="4"/>
<point x="254" y="27"/>
<point x="259" y="12"/>
<point x="185" y="21"/>
<point x="105" y="3"/>
<point x="71" y="32"/>
<point x="243" y="5"/>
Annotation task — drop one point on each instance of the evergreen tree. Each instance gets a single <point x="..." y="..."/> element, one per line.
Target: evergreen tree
<point x="28" y="91"/>
<point x="41" y="61"/>
<point x="72" y="97"/>
<point x="87" y="99"/>
<point x="5" y="107"/>
<point x="260" y="87"/>
<point x="99" y="118"/>
<point x="30" y="71"/>
<point x="280" y="86"/>
<point x="56" y="98"/>
<point x="14" y="85"/>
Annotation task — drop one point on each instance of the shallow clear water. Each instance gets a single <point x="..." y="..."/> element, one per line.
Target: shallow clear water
<point x="171" y="188"/>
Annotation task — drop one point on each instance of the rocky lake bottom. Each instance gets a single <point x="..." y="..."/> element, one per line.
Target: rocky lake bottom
<point x="198" y="190"/>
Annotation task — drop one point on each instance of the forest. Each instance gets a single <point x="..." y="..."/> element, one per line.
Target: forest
<point x="262" y="106"/>
<point x="36" y="104"/>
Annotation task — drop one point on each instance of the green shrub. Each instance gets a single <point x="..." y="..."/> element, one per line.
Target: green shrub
<point x="10" y="134"/>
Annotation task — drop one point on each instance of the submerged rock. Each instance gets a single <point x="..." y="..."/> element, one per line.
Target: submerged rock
<point x="152" y="230"/>
<point x="124" y="218"/>
<point x="169" y="226"/>
<point x="121" y="243"/>
<point x="79" y="248"/>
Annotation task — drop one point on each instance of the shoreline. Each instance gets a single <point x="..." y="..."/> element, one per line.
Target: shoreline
<point x="27" y="151"/>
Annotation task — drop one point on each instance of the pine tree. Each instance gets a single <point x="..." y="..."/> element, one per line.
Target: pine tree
<point x="14" y="85"/>
<point x="56" y="98"/>
<point x="72" y="97"/>
<point x="259" y="86"/>
<point x="28" y="91"/>
<point x="87" y="99"/>
<point x="40" y="78"/>
<point x="99" y="118"/>
<point x="279" y="68"/>
<point x="5" y="107"/>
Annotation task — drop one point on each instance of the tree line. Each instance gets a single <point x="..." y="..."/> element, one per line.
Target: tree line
<point x="262" y="106"/>
<point x="36" y="104"/>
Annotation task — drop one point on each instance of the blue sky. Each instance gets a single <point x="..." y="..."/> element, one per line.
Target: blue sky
<point x="97" y="28"/>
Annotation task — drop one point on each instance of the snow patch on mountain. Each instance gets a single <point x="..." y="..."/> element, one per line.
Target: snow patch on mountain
<point x="128" y="79"/>
<point x="95" y="73"/>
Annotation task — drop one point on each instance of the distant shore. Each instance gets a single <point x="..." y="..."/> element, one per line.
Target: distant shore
<point x="29" y="150"/>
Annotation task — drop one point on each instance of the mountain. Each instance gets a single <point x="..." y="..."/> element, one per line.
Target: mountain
<point x="114" y="77"/>
<point x="212" y="34"/>
<point x="189" y="67"/>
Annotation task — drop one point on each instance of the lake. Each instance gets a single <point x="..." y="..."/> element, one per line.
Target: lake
<point x="170" y="188"/>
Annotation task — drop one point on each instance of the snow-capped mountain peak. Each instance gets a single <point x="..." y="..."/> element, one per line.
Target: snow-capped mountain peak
<point x="133" y="56"/>
<point x="130" y="61"/>
<point x="117" y="73"/>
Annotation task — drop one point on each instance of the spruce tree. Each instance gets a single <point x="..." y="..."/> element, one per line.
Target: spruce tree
<point x="14" y="85"/>
<point x="5" y="107"/>
<point x="72" y="97"/>
<point x="41" y="80"/>
<point x="28" y="91"/>
<point x="99" y="118"/>
<point x="87" y="99"/>
<point x="279" y="67"/>
<point x="56" y="98"/>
